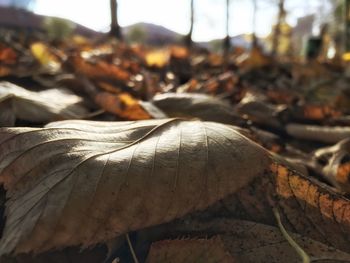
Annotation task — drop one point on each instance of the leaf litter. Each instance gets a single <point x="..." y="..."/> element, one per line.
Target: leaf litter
<point x="192" y="149"/>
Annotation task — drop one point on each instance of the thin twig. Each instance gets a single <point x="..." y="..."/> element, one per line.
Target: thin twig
<point x="305" y="257"/>
<point x="131" y="248"/>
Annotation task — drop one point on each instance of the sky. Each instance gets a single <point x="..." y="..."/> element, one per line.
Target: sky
<point x="174" y="14"/>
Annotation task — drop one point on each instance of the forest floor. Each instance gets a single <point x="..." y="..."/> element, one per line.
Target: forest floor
<point x="125" y="153"/>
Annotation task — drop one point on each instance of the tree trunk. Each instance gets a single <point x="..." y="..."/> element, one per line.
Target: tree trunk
<point x="277" y="31"/>
<point x="347" y="26"/>
<point x="115" y="28"/>
<point x="188" y="37"/>
<point x="254" y="39"/>
<point x="226" y="44"/>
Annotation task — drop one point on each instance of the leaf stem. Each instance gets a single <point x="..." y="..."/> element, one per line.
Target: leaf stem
<point x="132" y="251"/>
<point x="305" y="257"/>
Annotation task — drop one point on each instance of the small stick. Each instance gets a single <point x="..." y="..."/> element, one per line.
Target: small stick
<point x="131" y="248"/>
<point x="305" y="257"/>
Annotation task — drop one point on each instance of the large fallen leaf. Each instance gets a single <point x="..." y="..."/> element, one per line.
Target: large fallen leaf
<point x="81" y="183"/>
<point x="252" y="242"/>
<point x="40" y="107"/>
<point x="189" y="251"/>
<point x="196" y="105"/>
<point x="71" y="254"/>
<point x="306" y="206"/>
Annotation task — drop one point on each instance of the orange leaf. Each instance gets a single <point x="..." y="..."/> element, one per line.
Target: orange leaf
<point x="343" y="173"/>
<point x="179" y="52"/>
<point x="108" y="87"/>
<point x="100" y="69"/>
<point x="123" y="105"/>
<point x="4" y="71"/>
<point x="319" y="112"/>
<point x="8" y="55"/>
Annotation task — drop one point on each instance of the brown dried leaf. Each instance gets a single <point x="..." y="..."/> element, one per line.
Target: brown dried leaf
<point x="123" y="105"/>
<point x="254" y="59"/>
<point x="81" y="183"/>
<point x="7" y="55"/>
<point x="306" y="206"/>
<point x="320" y="112"/>
<point x="8" y="59"/>
<point x="196" y="105"/>
<point x="310" y="208"/>
<point x="5" y="71"/>
<point x="39" y="107"/>
<point x="259" y="110"/>
<point x="99" y="70"/>
<point x="7" y="113"/>
<point x="71" y="254"/>
<point x="189" y="251"/>
<point x="254" y="242"/>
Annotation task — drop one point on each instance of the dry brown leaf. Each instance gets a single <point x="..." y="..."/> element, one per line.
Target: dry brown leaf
<point x="311" y="208"/>
<point x="252" y="242"/>
<point x="189" y="251"/>
<point x="153" y="110"/>
<point x="254" y="59"/>
<point x="99" y="70"/>
<point x="306" y="206"/>
<point x="7" y="55"/>
<point x="39" y="107"/>
<point x="8" y="59"/>
<point x="310" y="71"/>
<point x="123" y="105"/>
<point x="320" y="112"/>
<point x="257" y="109"/>
<point x="5" y="71"/>
<point x="71" y="254"/>
<point x="196" y="105"/>
<point x="179" y="52"/>
<point x="81" y="183"/>
<point x="7" y="113"/>
<point x="268" y="140"/>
